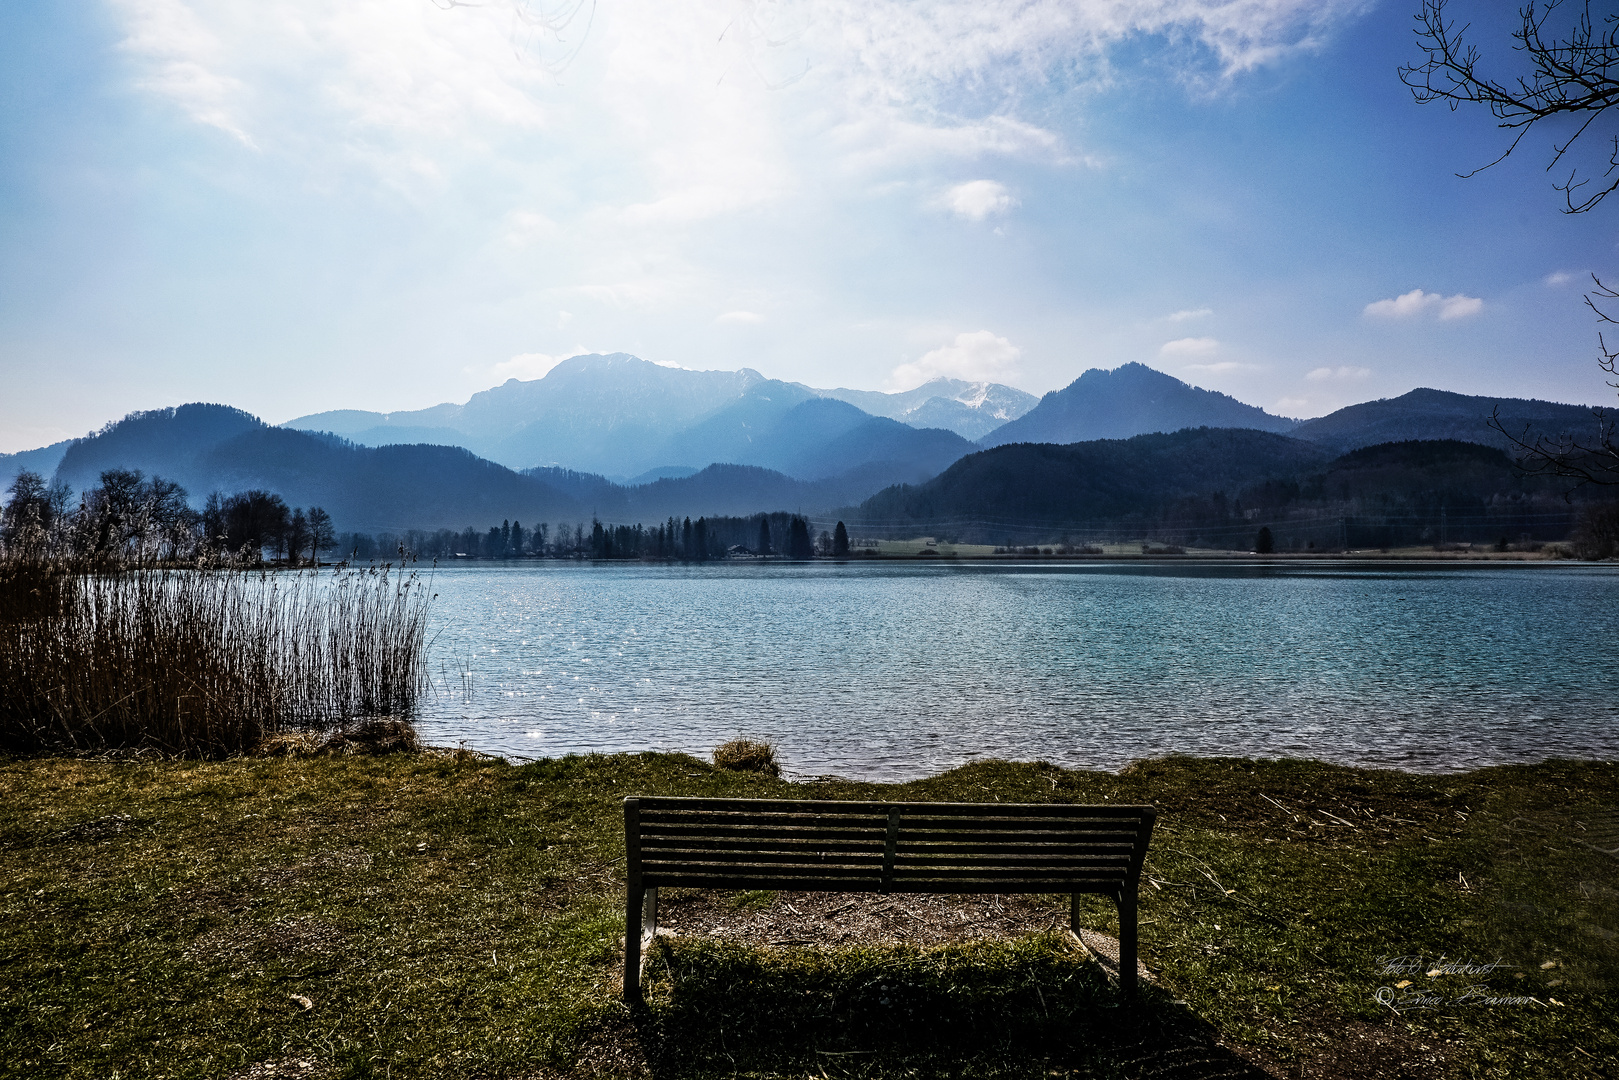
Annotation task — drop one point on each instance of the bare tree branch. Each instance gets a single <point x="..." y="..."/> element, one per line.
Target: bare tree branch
<point x="1593" y="460"/>
<point x="1576" y="76"/>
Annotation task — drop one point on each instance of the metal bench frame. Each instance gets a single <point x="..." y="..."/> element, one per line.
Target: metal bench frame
<point x="881" y="847"/>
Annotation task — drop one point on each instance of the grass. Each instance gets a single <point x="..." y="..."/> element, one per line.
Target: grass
<point x="200" y="661"/>
<point x="453" y="917"/>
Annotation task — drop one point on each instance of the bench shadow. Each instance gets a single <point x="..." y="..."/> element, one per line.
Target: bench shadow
<point x="1031" y="1007"/>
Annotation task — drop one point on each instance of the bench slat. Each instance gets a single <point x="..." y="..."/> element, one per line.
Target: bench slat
<point x="785" y="873"/>
<point x="993" y="847"/>
<point x="915" y="825"/>
<point x="1098" y="839"/>
<point x="799" y="858"/>
<point x="651" y="806"/>
<point x="704" y="843"/>
<point x="1064" y="861"/>
<point x="769" y="832"/>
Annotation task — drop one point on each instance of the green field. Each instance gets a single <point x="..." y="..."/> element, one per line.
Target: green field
<point x="441" y="916"/>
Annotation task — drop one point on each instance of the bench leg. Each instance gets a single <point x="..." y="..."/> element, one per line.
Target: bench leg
<point x="1127" y="942"/>
<point x="640" y="924"/>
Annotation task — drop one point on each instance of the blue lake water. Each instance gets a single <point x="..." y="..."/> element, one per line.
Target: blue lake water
<point x="894" y="671"/>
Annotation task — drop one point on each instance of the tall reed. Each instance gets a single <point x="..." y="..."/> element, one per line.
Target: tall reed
<point x="201" y="661"/>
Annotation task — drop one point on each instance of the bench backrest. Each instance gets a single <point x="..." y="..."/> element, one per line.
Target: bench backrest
<point x="885" y="847"/>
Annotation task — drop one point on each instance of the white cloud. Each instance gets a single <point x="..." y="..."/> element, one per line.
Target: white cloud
<point x="1322" y="373"/>
<point x="1288" y="404"/>
<point x="746" y="317"/>
<point x="1559" y="277"/>
<point x="978" y="356"/>
<point x="694" y="109"/>
<point x="1189" y="346"/>
<point x="1189" y="313"/>
<point x="1416" y="302"/>
<point x="978" y="199"/>
<point x="524" y="228"/>
<point x="525" y="366"/>
<point x="1460" y="307"/>
<point x="1224" y="367"/>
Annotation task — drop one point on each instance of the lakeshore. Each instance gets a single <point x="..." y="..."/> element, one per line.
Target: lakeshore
<point x="439" y="914"/>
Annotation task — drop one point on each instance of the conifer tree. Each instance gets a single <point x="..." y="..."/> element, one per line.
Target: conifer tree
<point x="840" y="541"/>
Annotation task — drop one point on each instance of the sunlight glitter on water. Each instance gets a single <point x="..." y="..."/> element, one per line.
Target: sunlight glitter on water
<point x="895" y="671"/>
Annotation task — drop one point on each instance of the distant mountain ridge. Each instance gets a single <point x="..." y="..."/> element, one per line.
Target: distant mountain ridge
<point x="970" y="409"/>
<point x="42" y="461"/>
<point x="1130" y="400"/>
<point x="619" y="415"/>
<point x="397" y="487"/>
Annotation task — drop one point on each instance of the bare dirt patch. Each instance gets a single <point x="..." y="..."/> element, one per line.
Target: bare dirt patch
<point x="834" y="919"/>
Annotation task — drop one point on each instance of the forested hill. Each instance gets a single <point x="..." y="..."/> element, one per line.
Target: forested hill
<point x="1440" y="414"/>
<point x="1105" y="479"/>
<point x="1210" y="484"/>
<point x="209" y="448"/>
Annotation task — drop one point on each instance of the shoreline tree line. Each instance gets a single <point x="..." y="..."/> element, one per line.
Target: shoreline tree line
<point x="130" y="517"/>
<point x="773" y="535"/>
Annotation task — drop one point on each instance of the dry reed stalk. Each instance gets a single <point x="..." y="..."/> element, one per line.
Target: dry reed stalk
<point x="205" y="661"/>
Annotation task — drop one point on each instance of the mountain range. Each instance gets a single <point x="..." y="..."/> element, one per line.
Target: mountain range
<point x="621" y="416"/>
<point x="628" y="440"/>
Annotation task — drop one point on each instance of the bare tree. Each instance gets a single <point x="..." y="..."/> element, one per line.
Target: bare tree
<point x="1592" y="459"/>
<point x="320" y="533"/>
<point x="1575" y="76"/>
<point x="297" y="534"/>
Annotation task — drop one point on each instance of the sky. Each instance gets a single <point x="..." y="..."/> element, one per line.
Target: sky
<point x="291" y="206"/>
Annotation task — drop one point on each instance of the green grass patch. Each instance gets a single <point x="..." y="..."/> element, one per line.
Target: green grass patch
<point x="412" y="915"/>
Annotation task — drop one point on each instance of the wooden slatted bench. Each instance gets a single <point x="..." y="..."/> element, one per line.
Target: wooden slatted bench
<point x="881" y="847"/>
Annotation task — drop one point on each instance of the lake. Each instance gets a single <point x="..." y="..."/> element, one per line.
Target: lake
<point x="897" y="670"/>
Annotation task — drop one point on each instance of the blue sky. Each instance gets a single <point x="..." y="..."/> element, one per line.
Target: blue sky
<point x="292" y="206"/>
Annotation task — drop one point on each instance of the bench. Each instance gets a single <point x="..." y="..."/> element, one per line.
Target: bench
<point x="881" y="847"/>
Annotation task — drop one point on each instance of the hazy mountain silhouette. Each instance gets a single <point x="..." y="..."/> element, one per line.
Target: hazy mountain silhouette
<point x="970" y="409"/>
<point x="1439" y="414"/>
<point x="1129" y="400"/>
<point x="621" y="416"/>
<point x="213" y="447"/>
<point x="814" y="438"/>
<point x="724" y="490"/>
<point x="599" y="413"/>
<point x="42" y="461"/>
<point x="414" y="486"/>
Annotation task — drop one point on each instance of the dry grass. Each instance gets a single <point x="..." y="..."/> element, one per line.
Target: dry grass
<point x="747" y="755"/>
<point x="202" y="661"/>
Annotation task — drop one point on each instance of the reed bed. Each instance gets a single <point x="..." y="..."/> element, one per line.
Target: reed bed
<point x="202" y="662"/>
